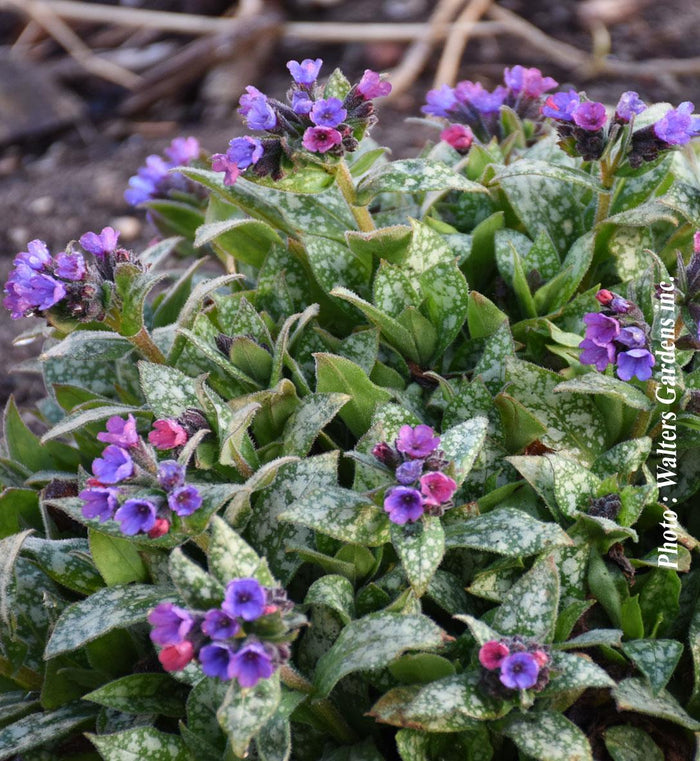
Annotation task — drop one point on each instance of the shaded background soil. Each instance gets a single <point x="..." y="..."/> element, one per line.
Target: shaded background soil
<point x="69" y="140"/>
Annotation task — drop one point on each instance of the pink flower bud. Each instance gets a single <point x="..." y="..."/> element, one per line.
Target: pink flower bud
<point x="604" y="297"/>
<point x="176" y="657"/>
<point x="492" y="654"/>
<point x="160" y="528"/>
<point x="458" y="136"/>
<point x="541" y="657"/>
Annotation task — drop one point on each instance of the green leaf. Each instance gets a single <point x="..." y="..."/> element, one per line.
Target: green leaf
<point x="22" y="445"/>
<point x="168" y="391"/>
<point x="387" y="243"/>
<point x="246" y="240"/>
<point x="372" y="642"/>
<point x="336" y="592"/>
<point x="198" y="589"/>
<point x="575" y="672"/>
<point x="133" y="285"/>
<point x="306" y="423"/>
<point x="636" y="695"/>
<point x="342" y="514"/>
<point x="462" y="444"/>
<point x="655" y="658"/>
<point x="394" y="290"/>
<point x="82" y="417"/>
<point x="107" y="609"/>
<point x="506" y="531"/>
<point x="420" y="547"/>
<point x="483" y="316"/>
<point x="245" y="712"/>
<point x="446" y="301"/>
<point x="548" y="737"/>
<point x="625" y="457"/>
<point x="117" y="560"/>
<point x="537" y="168"/>
<point x="530" y="605"/>
<point x="141" y="693"/>
<point x="597" y="383"/>
<point x="413" y="176"/>
<point x="421" y="668"/>
<point x="89" y="344"/>
<point x="230" y="557"/>
<point x="335" y="265"/>
<point x="140" y="743"/>
<point x="557" y="292"/>
<point x="659" y="600"/>
<point x="65" y="561"/>
<point x="626" y="743"/>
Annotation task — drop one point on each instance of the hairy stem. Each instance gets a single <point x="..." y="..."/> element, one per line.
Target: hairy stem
<point x="346" y="185"/>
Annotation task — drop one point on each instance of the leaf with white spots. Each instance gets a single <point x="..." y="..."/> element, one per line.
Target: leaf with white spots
<point x="496" y="579"/>
<point x="506" y="531"/>
<point x="462" y="444"/>
<point x="557" y="292"/>
<point x="372" y="642"/>
<point x="308" y="420"/>
<point x="597" y="383"/>
<point x="571" y="671"/>
<point x="66" y="561"/>
<point x="393" y="290"/>
<point x="626" y="743"/>
<point x="530" y="605"/>
<point x="628" y="248"/>
<point x="198" y="589"/>
<point x="548" y="737"/>
<point x="334" y="264"/>
<point x="141" y="694"/>
<point x="168" y="391"/>
<point x="335" y="592"/>
<point x="420" y="546"/>
<point x="446" y="300"/>
<point x="491" y="367"/>
<point x="636" y="695"/>
<point x="626" y="457"/>
<point x="231" y="557"/>
<point x="655" y="658"/>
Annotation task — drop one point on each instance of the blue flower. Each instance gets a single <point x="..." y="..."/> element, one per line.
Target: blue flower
<point x="404" y="505"/>
<point x="100" y="502"/>
<point x="409" y="471"/>
<point x="36" y="257"/>
<point x="216" y="660"/>
<point x="185" y="500"/>
<point x="46" y="291"/>
<point x="103" y="243"/>
<point x="519" y="671"/>
<point x="306" y="72"/>
<point x="328" y="112"/>
<point x="629" y="104"/>
<point x="244" y="151"/>
<point x="561" y="106"/>
<point x="301" y="102"/>
<point x="219" y="625"/>
<point x="182" y="150"/>
<point x="245" y="599"/>
<point x="440" y="102"/>
<point x="170" y="623"/>
<point x="635" y="363"/>
<point x="678" y="126"/>
<point x="114" y="466"/>
<point x="251" y="664"/>
<point x="170" y="475"/>
<point x="70" y="266"/>
<point x="136" y="515"/>
<point x="261" y="115"/>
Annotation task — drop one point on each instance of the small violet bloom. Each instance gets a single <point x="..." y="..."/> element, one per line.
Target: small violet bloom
<point x="437" y="488"/>
<point x="246" y="100"/>
<point x="102" y="244"/>
<point x="409" y="471"/>
<point x="301" y="102"/>
<point x="677" y="126"/>
<point x="245" y="151"/>
<point x="417" y="442"/>
<point x="170" y="475"/>
<point x="36" y="256"/>
<point x="372" y="85"/>
<point x="491" y="654"/>
<point x="120" y="432"/>
<point x="167" y="434"/>
<point x="245" y="599"/>
<point x="633" y="337"/>
<point x="306" y="72"/>
<point x="216" y="660"/>
<point x="590" y="115"/>
<point x="594" y="354"/>
<point x="70" y="266"/>
<point x="251" y="664"/>
<point x="629" y="104"/>
<point x="519" y="671"/>
<point x="404" y="505"/>
<point x="220" y="162"/>
<point x="45" y="291"/>
<point x="261" y="115"/>
<point x="321" y="139"/>
<point x="620" y="305"/>
<point x="100" y="502"/>
<point x="185" y="500"/>
<point x="136" y="515"/>
<point x="219" y="625"/>
<point x="635" y="363"/>
<point x="328" y="112"/>
<point x="440" y="102"/>
<point x="114" y="466"/>
<point x="170" y="623"/>
<point x="458" y="136"/>
<point x="176" y="657"/>
<point x="480" y="98"/>
<point x="601" y="329"/>
<point x="529" y="82"/>
<point x="182" y="150"/>
<point x="561" y="106"/>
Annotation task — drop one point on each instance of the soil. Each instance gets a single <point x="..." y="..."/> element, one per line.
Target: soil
<point x="58" y="180"/>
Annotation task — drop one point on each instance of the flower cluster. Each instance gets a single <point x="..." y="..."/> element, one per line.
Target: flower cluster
<point x="617" y="335"/>
<point x="246" y="638"/>
<point x="155" y="179"/>
<point x="310" y="121"/>
<point x="127" y="458"/>
<point x="418" y="464"/>
<point x="585" y="130"/>
<point x="514" y="664"/>
<point x="476" y="111"/>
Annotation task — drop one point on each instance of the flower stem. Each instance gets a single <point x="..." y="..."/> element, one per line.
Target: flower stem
<point x="345" y="184"/>
<point x="144" y="343"/>
<point x="641" y="423"/>
<point x="607" y="178"/>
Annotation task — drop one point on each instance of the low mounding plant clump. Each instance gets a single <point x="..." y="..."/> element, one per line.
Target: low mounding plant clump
<point x="412" y="478"/>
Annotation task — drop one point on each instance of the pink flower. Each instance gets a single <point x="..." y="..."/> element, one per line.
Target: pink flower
<point x="167" y="434"/>
<point x="417" y="442"/>
<point x="437" y="488"/>
<point x="372" y="86"/>
<point x="458" y="136"/>
<point x="160" y="528"/>
<point x="492" y="654"/>
<point x="176" y="657"/>
<point x="220" y="162"/>
<point x="541" y="657"/>
<point x="321" y="139"/>
<point x="120" y="432"/>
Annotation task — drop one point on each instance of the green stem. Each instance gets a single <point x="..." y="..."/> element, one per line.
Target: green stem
<point x="26" y="678"/>
<point x="141" y="340"/>
<point x="346" y="185"/>
<point x="642" y="422"/>
<point x="607" y="178"/>
<point x="324" y="709"/>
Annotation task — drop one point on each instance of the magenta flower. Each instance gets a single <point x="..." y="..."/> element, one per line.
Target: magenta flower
<point x="529" y="82"/>
<point x="590" y="116"/>
<point x="417" y="442"/>
<point x="519" y="671"/>
<point x="170" y="623"/>
<point x="100" y="502"/>
<point x="70" y="266"/>
<point x="594" y="354"/>
<point x="167" y="434"/>
<point x="372" y="85"/>
<point x="437" y="488"/>
<point x="635" y="363"/>
<point x="216" y="659"/>
<point x="321" y="139"/>
<point x="245" y="599"/>
<point x="601" y="329"/>
<point x="185" y="500"/>
<point x="492" y="654"/>
<point x="458" y="136"/>
<point x="328" y="112"/>
<point x="306" y="72"/>
<point x="114" y="466"/>
<point x="102" y="244"/>
<point x="561" y="106"/>
<point x="120" y="432"/>
<point x="404" y="505"/>
<point x="136" y="516"/>
<point x="251" y="664"/>
<point x="219" y="625"/>
<point x="220" y="162"/>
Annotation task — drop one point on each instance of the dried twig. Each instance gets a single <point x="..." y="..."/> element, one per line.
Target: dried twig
<point x="457" y="40"/>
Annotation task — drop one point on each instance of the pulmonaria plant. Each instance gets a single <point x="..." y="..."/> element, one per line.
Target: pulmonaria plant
<point x="423" y="489"/>
<point x="129" y="485"/>
<point x="311" y="125"/>
<point x="247" y="638"/>
<point x="617" y="335"/>
<point x="512" y="664"/>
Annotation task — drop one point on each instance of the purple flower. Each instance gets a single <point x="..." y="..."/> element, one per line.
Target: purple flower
<point x="306" y="72"/>
<point x="220" y="162"/>
<point x="36" y="256"/>
<point x="246" y="100"/>
<point x="70" y="266"/>
<point x="45" y="291"/>
<point x="245" y="151"/>
<point x="529" y="82"/>
<point x="372" y="85"/>
<point x="219" y="625"/>
<point x="437" y="488"/>
<point x="590" y="115"/>
<point x="261" y="115"/>
<point x="601" y="329"/>
<point x="629" y="104"/>
<point x="594" y="354"/>
<point x="100" y="503"/>
<point x="519" y="671"/>
<point x="170" y="475"/>
<point x="301" y="102"/>
<point x="251" y="664"/>
<point x="170" y="623"/>
<point x="185" y="500"/>
<point x="321" y="139"/>
<point x="417" y="442"/>
<point x="245" y="599"/>
<point x="182" y="150"/>
<point x="136" y="515"/>
<point x="145" y="184"/>
<point x="114" y="466"/>
<point x="635" y="363"/>
<point x="409" y="471"/>
<point x="677" y="126"/>
<point x="328" y="112"/>
<point x="484" y="101"/>
<point x="561" y="106"/>
<point x="216" y="660"/>
<point x="404" y="505"/>
<point x="120" y="432"/>
<point x="620" y="305"/>
<point x="18" y="288"/>
<point x="633" y="337"/>
<point x="440" y="102"/>
<point x="102" y="244"/>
